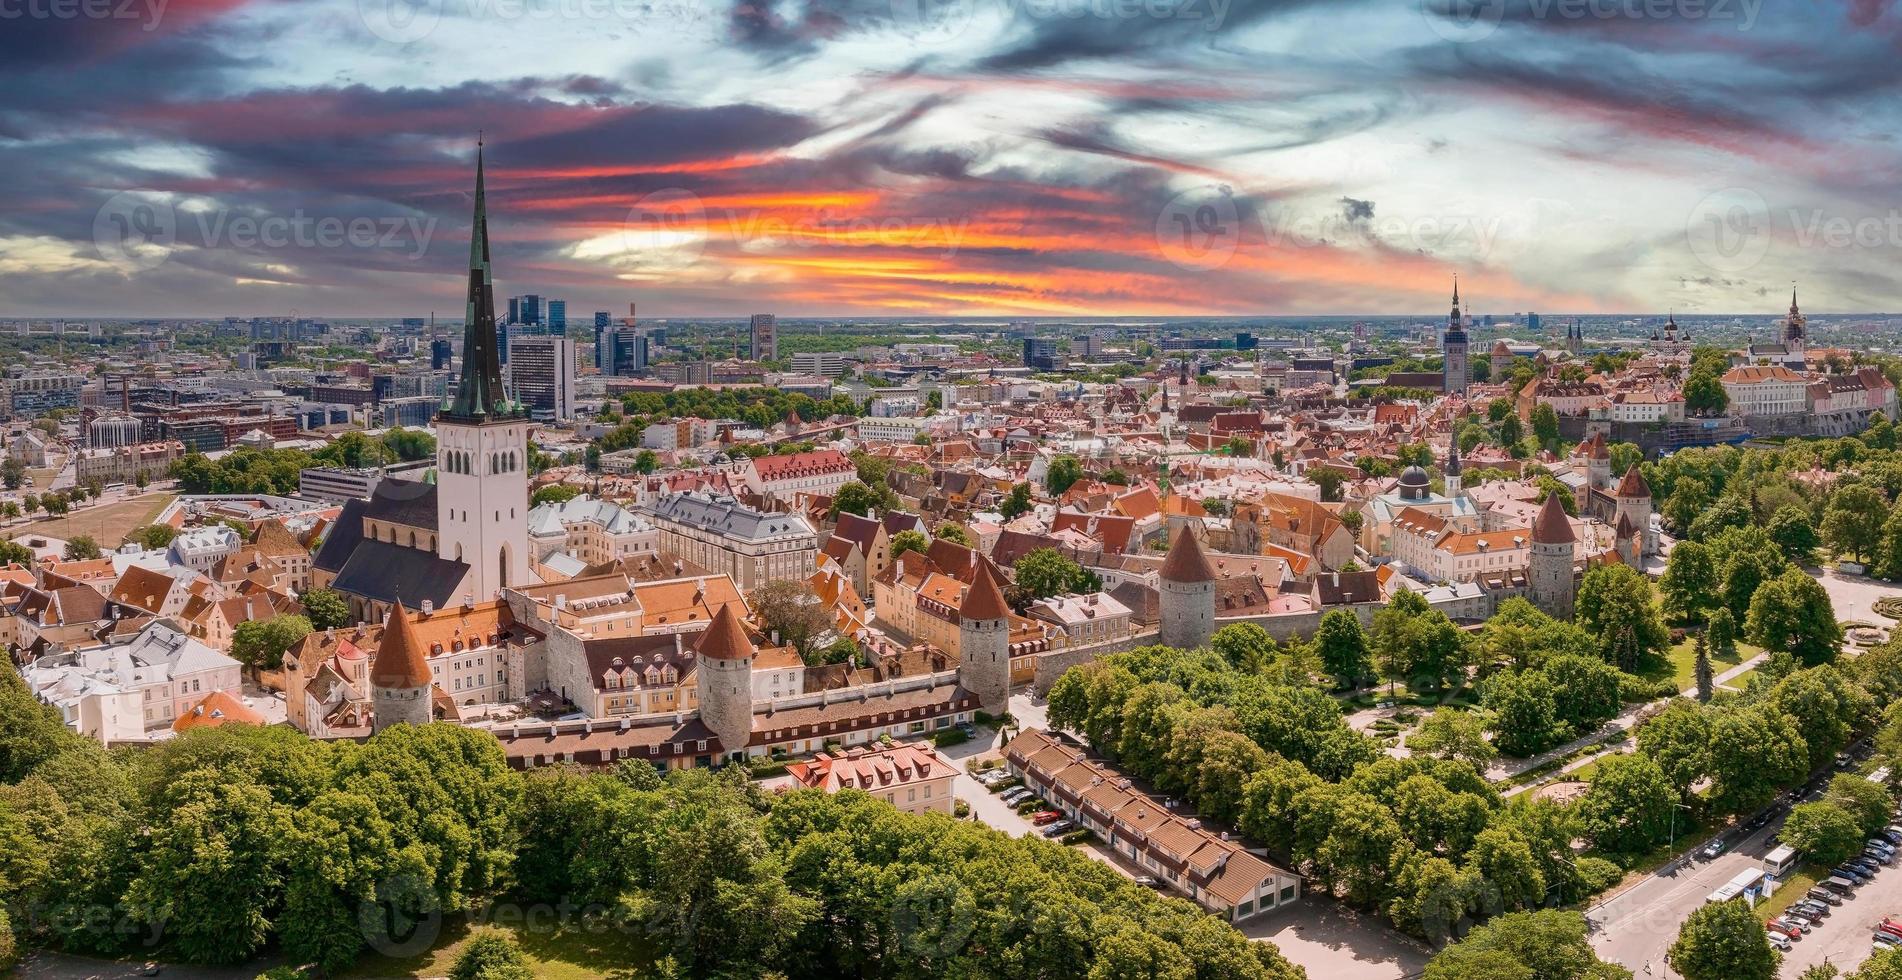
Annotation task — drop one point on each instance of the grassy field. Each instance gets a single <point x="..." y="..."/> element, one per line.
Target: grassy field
<point x="570" y="953"/>
<point x="108" y="524"/>
<point x="1792" y="888"/>
<point x="1680" y="666"/>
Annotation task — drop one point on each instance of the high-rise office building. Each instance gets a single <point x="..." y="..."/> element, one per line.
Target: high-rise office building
<point x="542" y="374"/>
<point x="1040" y="354"/>
<point x="515" y="309"/>
<point x="558" y="317"/>
<point x="440" y="354"/>
<point x="602" y="324"/>
<point x="531" y="309"/>
<point x="765" y="337"/>
<point x="623" y="352"/>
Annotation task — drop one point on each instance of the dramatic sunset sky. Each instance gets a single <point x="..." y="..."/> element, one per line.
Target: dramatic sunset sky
<point x="940" y="157"/>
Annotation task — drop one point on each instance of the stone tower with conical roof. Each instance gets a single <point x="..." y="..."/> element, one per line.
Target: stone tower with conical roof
<point x="1634" y="505"/>
<point x="1549" y="567"/>
<point x="1187" y="607"/>
<point x="400" y="681"/>
<point x="725" y="655"/>
<point x="1598" y="462"/>
<point x="984" y="641"/>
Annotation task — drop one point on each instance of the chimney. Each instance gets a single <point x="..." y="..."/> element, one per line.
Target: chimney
<point x="429" y="606"/>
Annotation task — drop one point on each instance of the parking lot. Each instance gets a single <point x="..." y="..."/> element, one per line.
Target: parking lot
<point x="1843" y="938"/>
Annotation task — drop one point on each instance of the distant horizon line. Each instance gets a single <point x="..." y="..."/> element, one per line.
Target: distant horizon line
<point x="587" y="319"/>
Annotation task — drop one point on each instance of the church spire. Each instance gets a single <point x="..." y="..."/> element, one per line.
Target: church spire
<point x="479" y="393"/>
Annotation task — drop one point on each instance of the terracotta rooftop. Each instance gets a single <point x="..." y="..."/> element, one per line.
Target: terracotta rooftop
<point x="726" y="639"/>
<point x="401" y="659"/>
<point x="984" y="600"/>
<point x="1552" y="526"/>
<point x="1633" y="484"/>
<point x="1185" y="562"/>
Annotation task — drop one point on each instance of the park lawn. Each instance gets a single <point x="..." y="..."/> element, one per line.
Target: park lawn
<point x="570" y="952"/>
<point x="108" y="524"/>
<point x="1739" y="682"/>
<point x="1680" y="665"/>
<point x="1789" y="890"/>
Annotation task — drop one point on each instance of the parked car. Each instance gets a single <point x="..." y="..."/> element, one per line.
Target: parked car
<point x="1786" y="927"/>
<point x="1758" y="821"/>
<point x="1779" y="941"/>
<point x="1824" y="895"/>
<point x="969" y="730"/>
<point x="1882" y="940"/>
<point x="1811" y="907"/>
<point x="1148" y="881"/>
<point x="1867" y="866"/>
<point x="1838" y="884"/>
<point x="1879" y="857"/>
<point x="1045" y="816"/>
<point x="1808" y="922"/>
<point x="1843" y="761"/>
<point x="1854" y="876"/>
<point x="1888" y="928"/>
<point x="1015" y="796"/>
<point x="1058" y="828"/>
<point x="1712" y="850"/>
<point x="1879" y="843"/>
<point x="1892" y="835"/>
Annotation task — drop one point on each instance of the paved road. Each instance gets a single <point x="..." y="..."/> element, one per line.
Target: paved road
<point x="1637" y="926"/>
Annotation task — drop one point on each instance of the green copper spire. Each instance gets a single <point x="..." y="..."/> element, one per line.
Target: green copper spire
<point x="479" y="395"/>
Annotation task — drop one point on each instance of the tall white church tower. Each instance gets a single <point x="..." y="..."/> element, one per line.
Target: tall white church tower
<point x="482" y="444"/>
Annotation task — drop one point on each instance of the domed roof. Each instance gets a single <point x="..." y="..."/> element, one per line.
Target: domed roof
<point x="1414" y="484"/>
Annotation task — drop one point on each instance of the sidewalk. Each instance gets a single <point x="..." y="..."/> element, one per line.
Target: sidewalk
<point x="1622" y="723"/>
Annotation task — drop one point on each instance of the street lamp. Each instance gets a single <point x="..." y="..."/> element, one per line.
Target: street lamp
<point x="1675" y="807"/>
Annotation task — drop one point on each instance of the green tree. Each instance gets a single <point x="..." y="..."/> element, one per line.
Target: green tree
<point x="13" y="473"/>
<point x="1826" y="707"/>
<point x="1690" y="581"/>
<point x="1721" y="634"/>
<point x="857" y="498"/>
<point x="1704" y="394"/>
<point x="260" y="643"/>
<point x="491" y="954"/>
<point x="1045" y="572"/>
<point x="1743" y="573"/>
<point x="790" y="612"/>
<point x="1246" y="646"/>
<point x="1888" y="563"/>
<point x="1017" y="502"/>
<point x="1791" y="529"/>
<point x="1545" y="425"/>
<point x="957" y="533"/>
<point x="1825" y="832"/>
<point x="81" y="547"/>
<point x="1853" y="520"/>
<point x="913" y="540"/>
<point x="152" y="537"/>
<point x="1754" y="753"/>
<point x="1615" y="603"/>
<point x="1792" y="612"/>
<point x="1064" y="472"/>
<point x="1525" y="714"/>
<point x="1628" y="809"/>
<point x="1678" y="739"/>
<point x="1544" y="945"/>
<point x="210" y="873"/>
<point x="646" y="461"/>
<point x="1723" y="941"/>
<point x="326" y="609"/>
<point x="1329" y="481"/>
<point x="1416" y="643"/>
<point x="1869" y="802"/>
<point x="554" y="493"/>
<point x="1449" y="733"/>
<point x="15" y="553"/>
<point x="1706" y="686"/>
<point x="1342" y="645"/>
<point x="1584" y="690"/>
